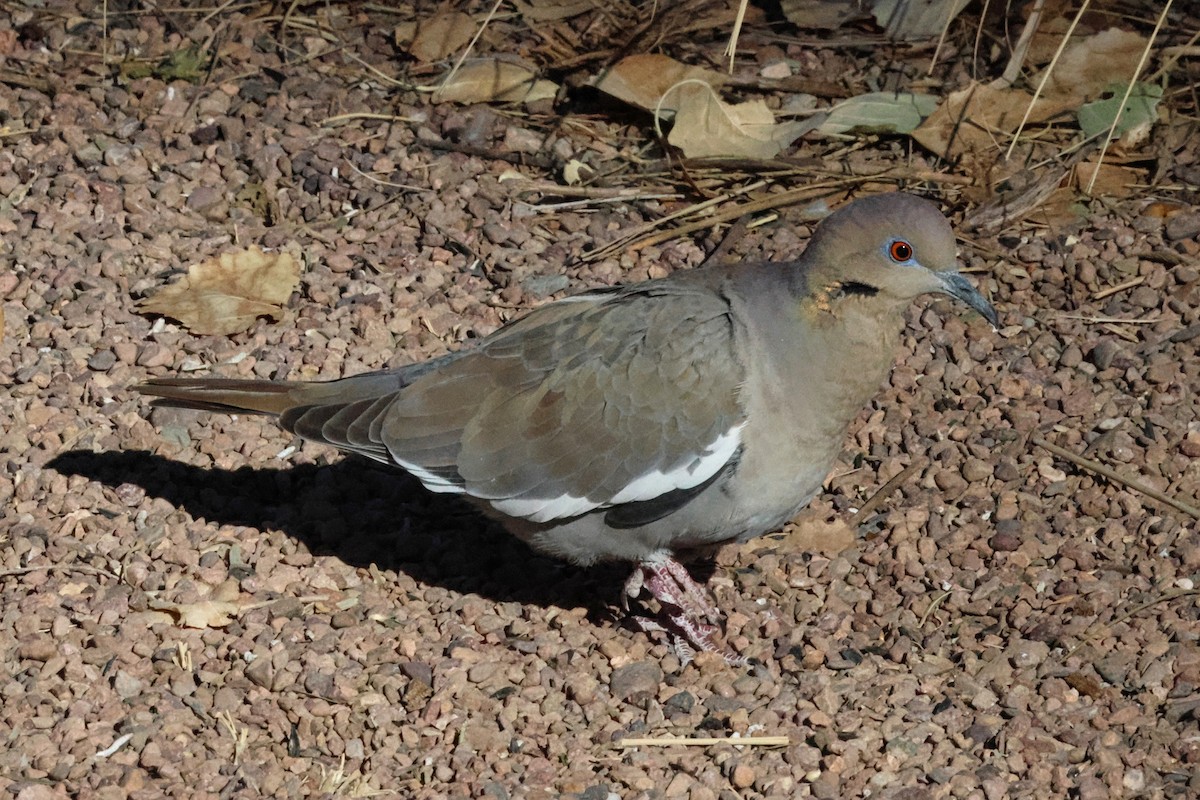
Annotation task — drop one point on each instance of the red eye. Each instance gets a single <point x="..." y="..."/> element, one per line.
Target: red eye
<point x="900" y="250"/>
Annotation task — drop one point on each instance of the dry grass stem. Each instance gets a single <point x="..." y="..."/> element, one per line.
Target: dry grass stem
<point x="1094" y="631"/>
<point x="706" y="741"/>
<point x="885" y="491"/>
<point x="1162" y="17"/>
<point x="1108" y="320"/>
<point x="731" y="48"/>
<point x="1120" y="287"/>
<point x="470" y="46"/>
<point x="1113" y="475"/>
<point x="1021" y="49"/>
<point x="1083" y="7"/>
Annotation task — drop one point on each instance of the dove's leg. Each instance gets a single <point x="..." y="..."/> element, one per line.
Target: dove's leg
<point x="689" y="616"/>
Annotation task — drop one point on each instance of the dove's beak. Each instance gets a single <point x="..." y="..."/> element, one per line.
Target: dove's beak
<point x="960" y="288"/>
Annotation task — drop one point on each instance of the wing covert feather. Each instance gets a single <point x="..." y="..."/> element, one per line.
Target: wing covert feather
<point x="626" y="398"/>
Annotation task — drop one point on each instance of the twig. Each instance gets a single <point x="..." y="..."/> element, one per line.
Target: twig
<point x="636" y="233"/>
<point x="1109" y="320"/>
<point x="1021" y="49"/>
<point x="527" y="185"/>
<point x="1165" y="597"/>
<point x="85" y="568"/>
<point x="728" y="214"/>
<point x="937" y="601"/>
<point x="885" y="491"/>
<point x="1116" y="330"/>
<point x="467" y="50"/>
<point x="1162" y="17"/>
<point x="365" y="115"/>
<point x="1046" y="77"/>
<point x="706" y="741"/>
<point x="1113" y="475"/>
<point x="1120" y="287"/>
<point x="731" y="48"/>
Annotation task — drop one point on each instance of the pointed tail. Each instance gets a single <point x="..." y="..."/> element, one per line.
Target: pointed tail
<point x="233" y="396"/>
<point x="223" y="394"/>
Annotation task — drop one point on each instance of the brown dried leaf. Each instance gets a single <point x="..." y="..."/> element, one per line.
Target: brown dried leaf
<point x="980" y="118"/>
<point x="552" y="10"/>
<point x="1085" y="684"/>
<point x="1088" y="66"/>
<point x="1111" y="180"/>
<point x="825" y="15"/>
<point x="705" y="126"/>
<point x="488" y="79"/>
<point x="641" y="80"/>
<point x="202" y="614"/>
<point x="810" y="534"/>
<point x="438" y="36"/>
<point x="226" y="295"/>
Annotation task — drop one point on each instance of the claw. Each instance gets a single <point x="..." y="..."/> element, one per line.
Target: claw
<point x="689" y="617"/>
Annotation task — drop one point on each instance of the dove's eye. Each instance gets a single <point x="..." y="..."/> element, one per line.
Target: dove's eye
<point x="900" y="251"/>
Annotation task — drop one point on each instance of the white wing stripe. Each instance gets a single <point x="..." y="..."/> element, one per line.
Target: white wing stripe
<point x="644" y="487"/>
<point x="685" y="476"/>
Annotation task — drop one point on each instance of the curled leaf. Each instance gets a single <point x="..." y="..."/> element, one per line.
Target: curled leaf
<point x="642" y="80"/>
<point x="707" y="127"/>
<point x="1140" y="109"/>
<point x="438" y="36"/>
<point x="879" y="112"/>
<point x="202" y="614"/>
<point x="489" y="79"/>
<point x="226" y="295"/>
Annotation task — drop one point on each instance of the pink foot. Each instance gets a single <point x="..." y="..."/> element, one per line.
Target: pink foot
<point x="688" y="617"/>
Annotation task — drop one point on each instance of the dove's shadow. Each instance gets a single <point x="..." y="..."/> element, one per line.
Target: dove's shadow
<point x="365" y="514"/>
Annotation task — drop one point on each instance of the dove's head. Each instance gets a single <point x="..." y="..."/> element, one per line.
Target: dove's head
<point x="887" y="248"/>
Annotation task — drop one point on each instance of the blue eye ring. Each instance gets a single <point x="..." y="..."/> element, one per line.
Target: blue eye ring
<point x="900" y="251"/>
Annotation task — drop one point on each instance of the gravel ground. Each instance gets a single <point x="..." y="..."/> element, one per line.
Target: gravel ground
<point x="1005" y="624"/>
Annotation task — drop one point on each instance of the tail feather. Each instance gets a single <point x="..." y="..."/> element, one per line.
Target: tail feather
<point x="223" y="394"/>
<point x="233" y="395"/>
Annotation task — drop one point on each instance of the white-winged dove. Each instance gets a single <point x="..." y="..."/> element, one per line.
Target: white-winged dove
<point x="637" y="422"/>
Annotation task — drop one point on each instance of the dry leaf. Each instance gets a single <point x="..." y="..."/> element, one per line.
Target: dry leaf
<point x="202" y="614"/>
<point x="552" y="10"/>
<point x="915" y="20"/>
<point x="1085" y="684"/>
<point x="438" y="36"/>
<point x="824" y="15"/>
<point x="573" y="172"/>
<point x="226" y="295"/>
<point x="980" y="118"/>
<point x="810" y="534"/>
<point x="1111" y="180"/>
<point x="641" y="80"/>
<point x="1088" y="66"/>
<point x="879" y="112"/>
<point x="706" y="127"/>
<point x="488" y="79"/>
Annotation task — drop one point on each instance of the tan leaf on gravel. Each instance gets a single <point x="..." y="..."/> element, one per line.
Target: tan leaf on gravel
<point x="201" y="614"/>
<point x="438" y="36"/>
<point x="706" y="126"/>
<point x="819" y="536"/>
<point x="488" y="79"/>
<point x="227" y="294"/>
<point x="641" y="80"/>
